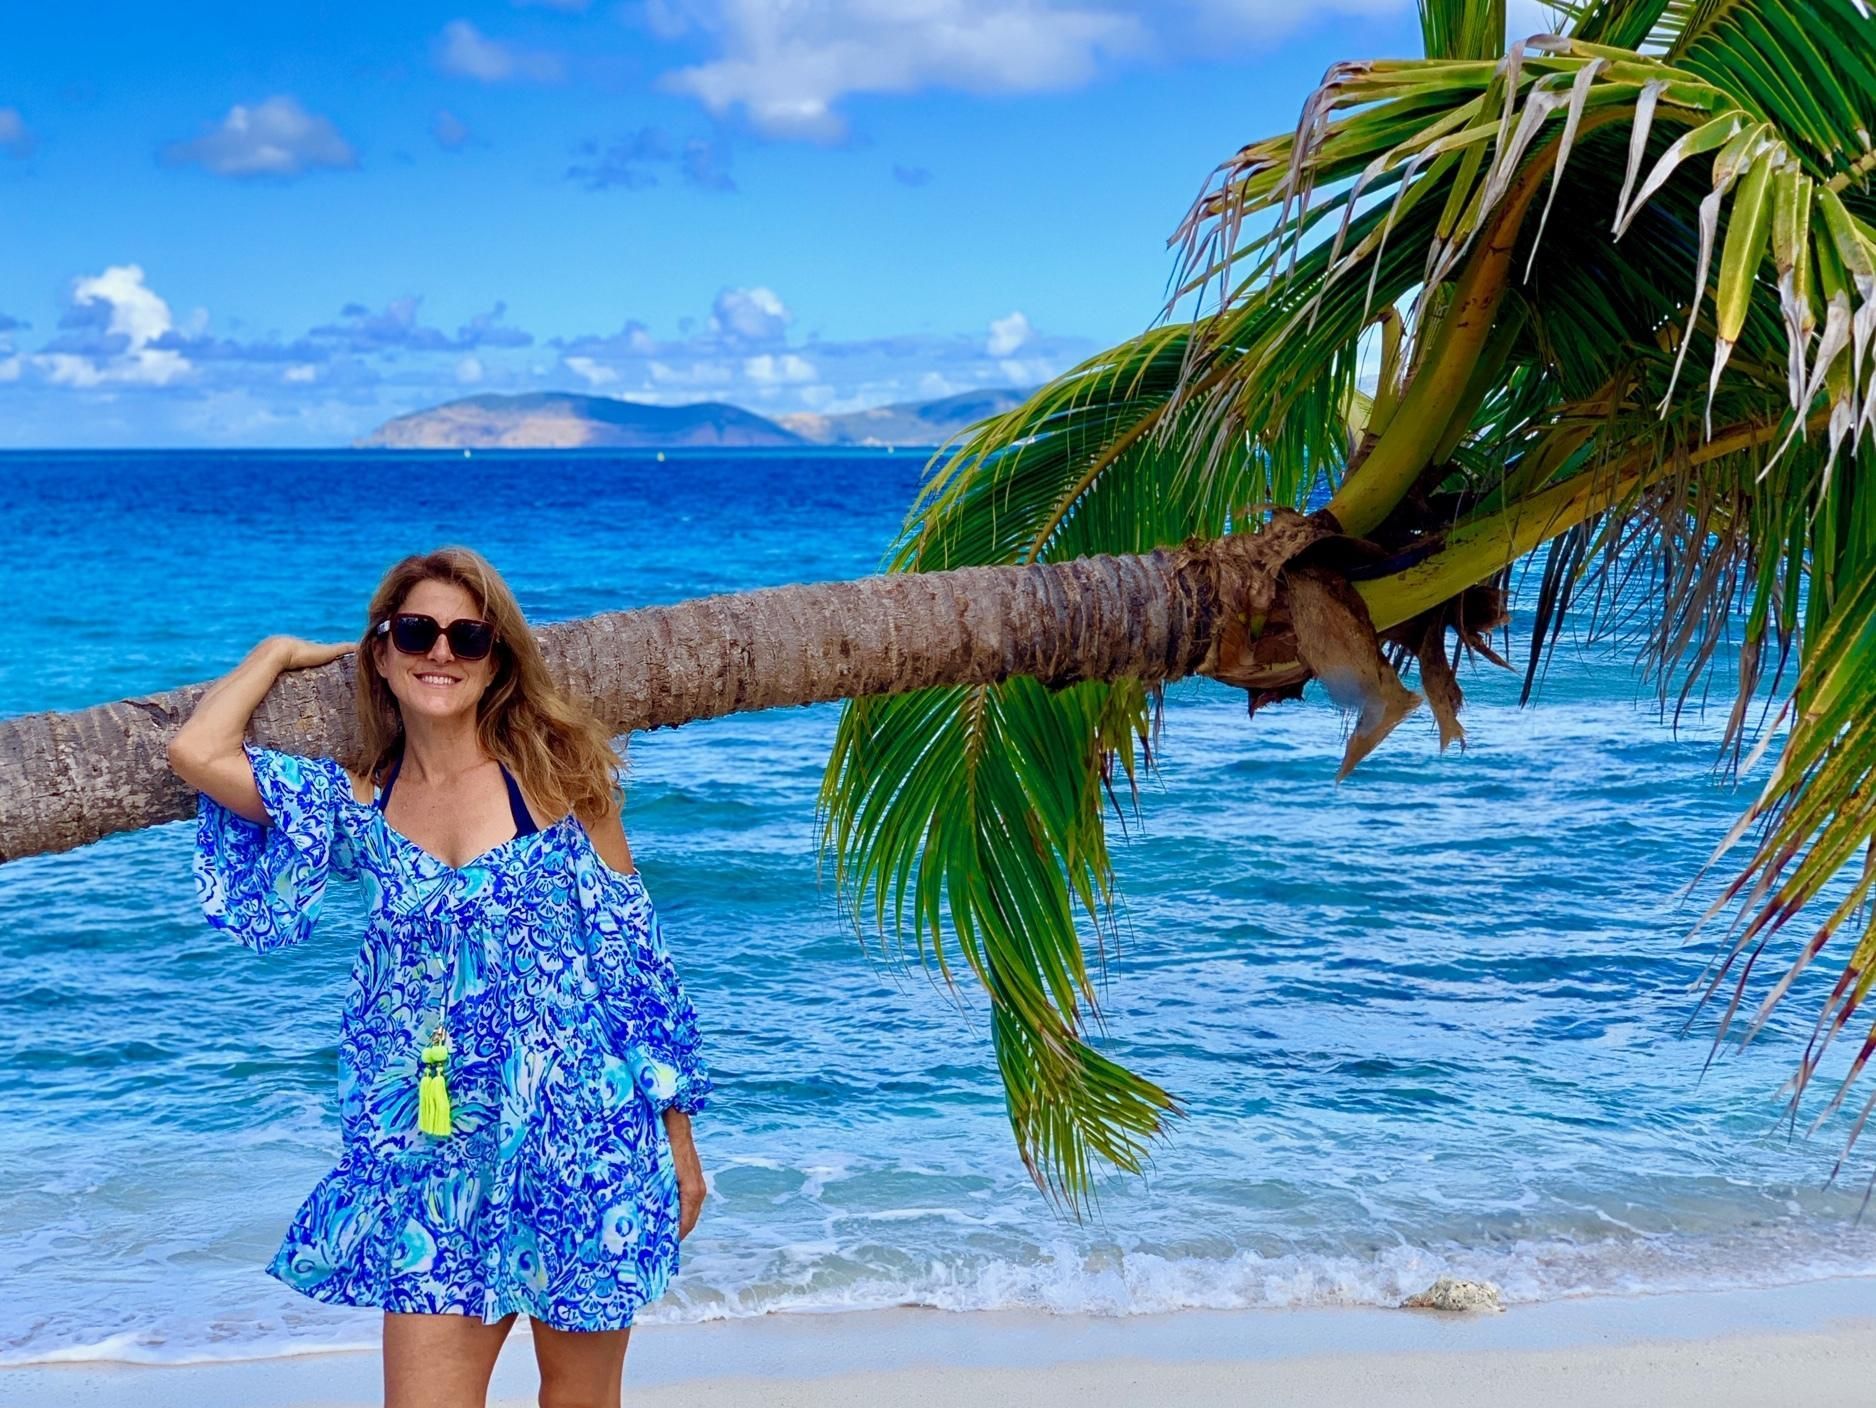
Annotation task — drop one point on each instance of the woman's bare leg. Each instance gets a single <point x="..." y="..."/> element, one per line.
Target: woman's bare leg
<point x="440" y="1361"/>
<point x="579" y="1368"/>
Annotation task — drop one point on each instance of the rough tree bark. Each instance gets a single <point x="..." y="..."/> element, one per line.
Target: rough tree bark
<point x="69" y="779"/>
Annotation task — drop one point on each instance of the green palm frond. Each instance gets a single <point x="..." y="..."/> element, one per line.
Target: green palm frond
<point x="1613" y="290"/>
<point x="981" y="806"/>
<point x="979" y="810"/>
<point x="1462" y="29"/>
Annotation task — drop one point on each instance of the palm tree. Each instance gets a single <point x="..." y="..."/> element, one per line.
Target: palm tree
<point x="1506" y="269"/>
<point x="67" y="779"/>
<point x="1416" y="309"/>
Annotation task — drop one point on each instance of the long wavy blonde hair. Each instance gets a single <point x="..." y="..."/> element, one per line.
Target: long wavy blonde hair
<point x="559" y="752"/>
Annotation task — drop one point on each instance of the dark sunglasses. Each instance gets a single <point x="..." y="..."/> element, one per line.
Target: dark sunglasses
<point x="414" y="634"/>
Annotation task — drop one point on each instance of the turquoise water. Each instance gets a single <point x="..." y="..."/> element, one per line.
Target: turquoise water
<point x="1427" y="1021"/>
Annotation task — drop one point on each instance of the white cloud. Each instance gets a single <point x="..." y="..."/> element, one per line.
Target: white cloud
<point x="134" y="317"/>
<point x="788" y="65"/>
<point x="9" y="368"/>
<point x="934" y="385"/>
<point x="770" y="368"/>
<point x="276" y="137"/>
<point x="467" y="52"/>
<point x="701" y="372"/>
<point x="749" y="315"/>
<point x="15" y="139"/>
<point x="64" y="369"/>
<point x="1267" y="20"/>
<point x="300" y="374"/>
<point x="591" y="372"/>
<point x="1008" y="334"/>
<point x="1026" y="371"/>
<point x="469" y="371"/>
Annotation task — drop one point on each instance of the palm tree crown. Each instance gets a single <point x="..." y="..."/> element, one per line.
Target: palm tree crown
<point x="1609" y="294"/>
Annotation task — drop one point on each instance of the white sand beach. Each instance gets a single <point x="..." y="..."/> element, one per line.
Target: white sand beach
<point x="1794" y="1346"/>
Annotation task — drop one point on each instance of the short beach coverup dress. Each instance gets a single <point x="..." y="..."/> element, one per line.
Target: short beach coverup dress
<point x="555" y="1194"/>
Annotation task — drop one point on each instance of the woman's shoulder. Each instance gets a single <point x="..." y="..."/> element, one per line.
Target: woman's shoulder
<point x="605" y="836"/>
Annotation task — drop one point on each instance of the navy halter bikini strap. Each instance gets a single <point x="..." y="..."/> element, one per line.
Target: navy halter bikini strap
<point x="384" y="794"/>
<point x="524" y="823"/>
<point x="517" y="808"/>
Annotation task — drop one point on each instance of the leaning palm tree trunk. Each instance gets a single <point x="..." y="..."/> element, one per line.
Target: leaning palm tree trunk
<point x="68" y="779"/>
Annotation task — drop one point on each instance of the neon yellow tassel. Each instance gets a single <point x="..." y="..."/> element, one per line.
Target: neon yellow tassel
<point x="433" y="1112"/>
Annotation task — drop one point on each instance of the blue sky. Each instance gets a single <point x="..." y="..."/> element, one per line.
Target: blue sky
<point x="251" y="224"/>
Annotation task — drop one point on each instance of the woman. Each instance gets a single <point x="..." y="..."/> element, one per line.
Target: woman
<point x="518" y="1062"/>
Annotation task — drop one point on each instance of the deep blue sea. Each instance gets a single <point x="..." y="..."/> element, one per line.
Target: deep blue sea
<point x="1426" y="1021"/>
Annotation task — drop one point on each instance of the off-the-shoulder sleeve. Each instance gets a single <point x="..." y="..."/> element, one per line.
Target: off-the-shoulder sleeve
<point x="645" y="1007"/>
<point x="263" y="883"/>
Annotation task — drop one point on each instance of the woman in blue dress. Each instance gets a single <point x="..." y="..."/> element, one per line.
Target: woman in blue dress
<point x="518" y="1062"/>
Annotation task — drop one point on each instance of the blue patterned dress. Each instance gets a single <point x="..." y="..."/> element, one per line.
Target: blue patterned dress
<point x="556" y="1193"/>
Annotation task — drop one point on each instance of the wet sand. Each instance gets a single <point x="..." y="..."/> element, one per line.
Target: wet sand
<point x="1797" y="1345"/>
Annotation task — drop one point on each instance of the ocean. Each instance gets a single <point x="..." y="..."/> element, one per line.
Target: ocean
<point x="1431" y="1020"/>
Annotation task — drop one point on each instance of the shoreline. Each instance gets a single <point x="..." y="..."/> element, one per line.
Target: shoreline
<point x="1810" y="1342"/>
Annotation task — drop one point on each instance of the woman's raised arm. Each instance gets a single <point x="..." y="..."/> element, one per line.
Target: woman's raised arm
<point x="206" y="751"/>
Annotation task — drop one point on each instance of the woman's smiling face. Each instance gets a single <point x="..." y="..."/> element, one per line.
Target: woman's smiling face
<point x="437" y="683"/>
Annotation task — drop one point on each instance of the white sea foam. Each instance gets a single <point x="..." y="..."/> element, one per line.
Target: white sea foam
<point x="1068" y="1280"/>
<point x="136" y="1347"/>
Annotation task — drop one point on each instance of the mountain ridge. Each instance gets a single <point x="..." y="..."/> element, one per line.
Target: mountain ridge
<point x="566" y="420"/>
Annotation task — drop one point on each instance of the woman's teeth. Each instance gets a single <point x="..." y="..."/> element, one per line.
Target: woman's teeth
<point x="436" y="679"/>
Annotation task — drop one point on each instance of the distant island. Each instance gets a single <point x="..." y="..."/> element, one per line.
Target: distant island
<point x="562" y="420"/>
<point x="904" y="422"/>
